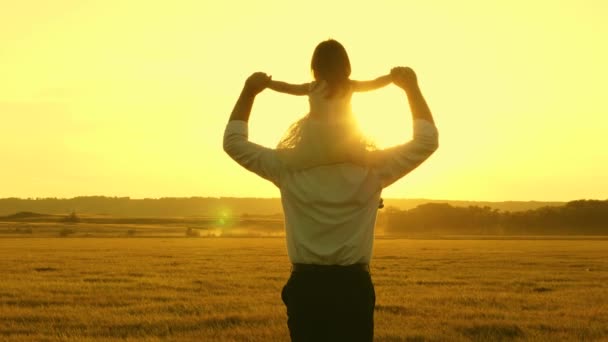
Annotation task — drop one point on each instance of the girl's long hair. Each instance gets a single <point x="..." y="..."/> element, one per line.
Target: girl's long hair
<point x="308" y="142"/>
<point x="330" y="63"/>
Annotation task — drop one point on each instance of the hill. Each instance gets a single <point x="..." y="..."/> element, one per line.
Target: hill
<point x="205" y="206"/>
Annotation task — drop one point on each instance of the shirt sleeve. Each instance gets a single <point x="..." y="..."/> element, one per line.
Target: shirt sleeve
<point x="393" y="163"/>
<point x="260" y="160"/>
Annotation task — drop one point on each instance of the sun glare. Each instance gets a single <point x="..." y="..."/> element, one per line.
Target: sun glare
<point x="131" y="98"/>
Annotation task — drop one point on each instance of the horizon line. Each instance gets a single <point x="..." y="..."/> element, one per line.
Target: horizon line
<point x="278" y="198"/>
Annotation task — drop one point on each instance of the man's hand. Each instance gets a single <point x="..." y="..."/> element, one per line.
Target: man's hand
<point x="404" y="78"/>
<point x="257" y="82"/>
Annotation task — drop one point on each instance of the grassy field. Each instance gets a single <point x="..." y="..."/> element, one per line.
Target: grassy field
<point x="228" y="289"/>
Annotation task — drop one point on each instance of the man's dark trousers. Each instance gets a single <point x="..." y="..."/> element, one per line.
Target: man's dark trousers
<point x="330" y="303"/>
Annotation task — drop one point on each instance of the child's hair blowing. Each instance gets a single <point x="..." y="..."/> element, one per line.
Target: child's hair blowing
<point x="330" y="63"/>
<point x="309" y="143"/>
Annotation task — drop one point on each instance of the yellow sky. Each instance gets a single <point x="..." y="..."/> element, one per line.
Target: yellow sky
<point x="130" y="98"/>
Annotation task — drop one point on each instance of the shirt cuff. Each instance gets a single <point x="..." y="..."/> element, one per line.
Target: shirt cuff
<point x="424" y="126"/>
<point x="237" y="127"/>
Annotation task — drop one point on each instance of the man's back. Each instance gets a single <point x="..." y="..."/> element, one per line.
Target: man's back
<point x="330" y="213"/>
<point x="330" y="210"/>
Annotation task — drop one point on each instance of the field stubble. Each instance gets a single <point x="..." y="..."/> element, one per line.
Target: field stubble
<point x="214" y="289"/>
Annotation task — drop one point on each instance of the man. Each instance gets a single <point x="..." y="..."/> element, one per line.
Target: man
<point x="330" y="213"/>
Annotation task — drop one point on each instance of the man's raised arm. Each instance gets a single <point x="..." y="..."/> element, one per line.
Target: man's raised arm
<point x="253" y="86"/>
<point x="395" y="162"/>
<point x="255" y="158"/>
<point x="405" y="78"/>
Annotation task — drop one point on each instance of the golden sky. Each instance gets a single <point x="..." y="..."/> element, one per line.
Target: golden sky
<point x="130" y="98"/>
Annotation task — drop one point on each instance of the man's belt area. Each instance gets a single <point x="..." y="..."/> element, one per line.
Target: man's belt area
<point x="328" y="268"/>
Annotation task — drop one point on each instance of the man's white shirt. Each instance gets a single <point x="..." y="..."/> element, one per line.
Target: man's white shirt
<point x="330" y="210"/>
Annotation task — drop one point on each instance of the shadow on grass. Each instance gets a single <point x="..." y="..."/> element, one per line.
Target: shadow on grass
<point x="492" y="332"/>
<point x="394" y="309"/>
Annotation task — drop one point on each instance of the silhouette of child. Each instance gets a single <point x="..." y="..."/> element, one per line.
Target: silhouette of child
<point x="330" y="94"/>
<point x="328" y="134"/>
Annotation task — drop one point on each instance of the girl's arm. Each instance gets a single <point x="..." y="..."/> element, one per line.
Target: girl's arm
<point x="287" y="88"/>
<point x="373" y="84"/>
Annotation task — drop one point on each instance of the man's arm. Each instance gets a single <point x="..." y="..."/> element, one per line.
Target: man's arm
<point x="395" y="162"/>
<point x="288" y="88"/>
<point x="255" y="158"/>
<point x="406" y="79"/>
<point x="379" y="82"/>
<point x="253" y="86"/>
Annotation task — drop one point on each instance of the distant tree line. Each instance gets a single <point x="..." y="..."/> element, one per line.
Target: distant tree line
<point x="147" y="207"/>
<point x="203" y="206"/>
<point x="581" y="217"/>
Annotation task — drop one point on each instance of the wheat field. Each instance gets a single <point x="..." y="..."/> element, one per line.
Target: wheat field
<point x="228" y="289"/>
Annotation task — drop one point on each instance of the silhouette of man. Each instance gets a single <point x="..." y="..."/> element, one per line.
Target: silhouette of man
<point x="330" y="213"/>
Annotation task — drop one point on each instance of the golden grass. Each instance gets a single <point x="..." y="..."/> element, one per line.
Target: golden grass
<point x="180" y="289"/>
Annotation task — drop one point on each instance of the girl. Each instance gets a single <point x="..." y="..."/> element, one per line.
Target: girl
<point x="328" y="134"/>
<point x="330" y="94"/>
